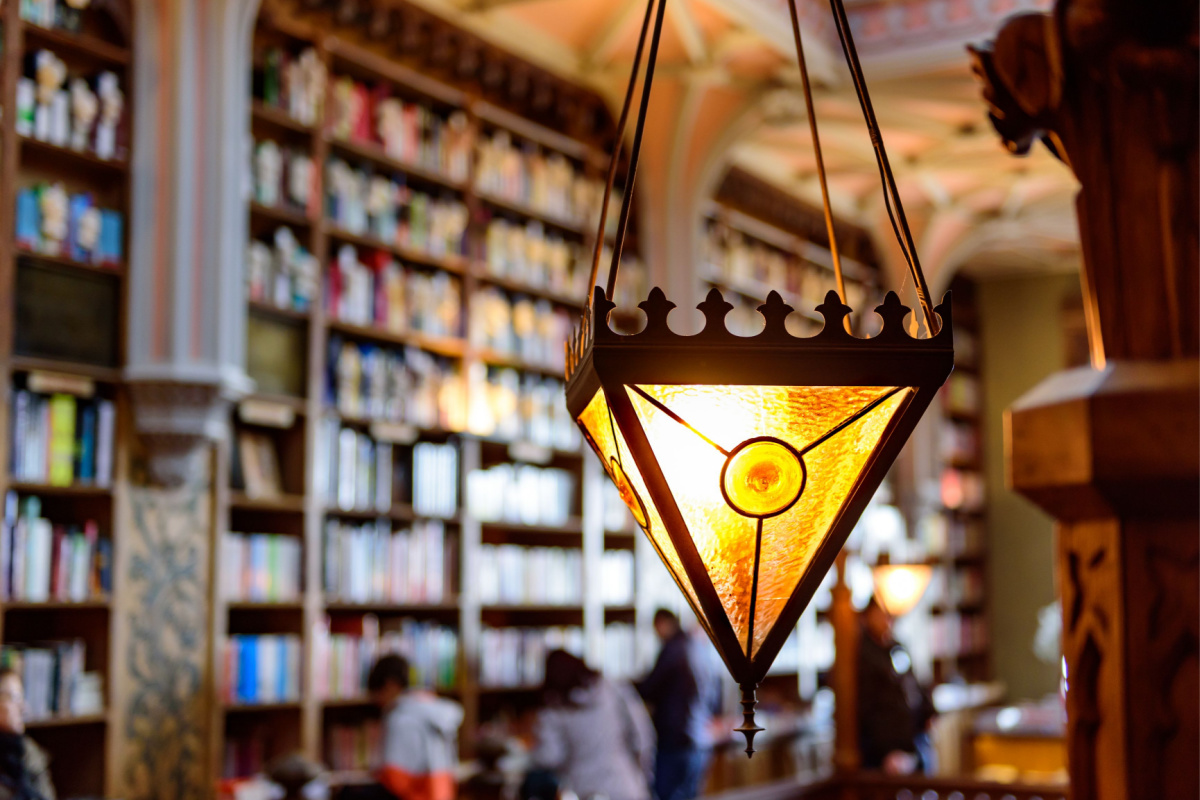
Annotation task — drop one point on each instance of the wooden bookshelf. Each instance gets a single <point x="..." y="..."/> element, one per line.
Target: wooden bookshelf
<point x="295" y="421"/>
<point x="963" y="650"/>
<point x="64" y="334"/>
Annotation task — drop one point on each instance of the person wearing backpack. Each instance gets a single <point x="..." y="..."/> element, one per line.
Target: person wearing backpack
<point x="420" y="734"/>
<point x="593" y="734"/>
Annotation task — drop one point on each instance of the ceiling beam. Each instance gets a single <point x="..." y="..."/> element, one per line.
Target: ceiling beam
<point x="601" y="51"/>
<point x="689" y="32"/>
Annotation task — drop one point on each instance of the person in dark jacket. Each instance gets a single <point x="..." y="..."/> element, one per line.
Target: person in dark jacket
<point x="684" y="694"/>
<point x="894" y="710"/>
<point x="24" y="767"/>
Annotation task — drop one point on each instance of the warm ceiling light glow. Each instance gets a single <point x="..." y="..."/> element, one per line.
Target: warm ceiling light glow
<point x="899" y="587"/>
<point x="748" y="460"/>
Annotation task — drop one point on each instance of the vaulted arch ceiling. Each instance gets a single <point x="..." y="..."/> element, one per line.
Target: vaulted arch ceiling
<point x="970" y="202"/>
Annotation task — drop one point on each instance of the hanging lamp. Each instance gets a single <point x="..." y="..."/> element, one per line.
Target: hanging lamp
<point x="748" y="460"/>
<point x="899" y="587"/>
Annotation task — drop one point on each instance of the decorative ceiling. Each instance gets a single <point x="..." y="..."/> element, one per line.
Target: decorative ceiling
<point x="972" y="205"/>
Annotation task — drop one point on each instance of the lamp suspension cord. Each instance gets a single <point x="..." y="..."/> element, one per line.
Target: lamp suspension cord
<point x="816" y="140"/>
<point x="612" y="162"/>
<point x="891" y="195"/>
<point x="635" y="153"/>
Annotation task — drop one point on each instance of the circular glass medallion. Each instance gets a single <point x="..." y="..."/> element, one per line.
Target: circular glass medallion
<point x="762" y="478"/>
<point x="628" y="495"/>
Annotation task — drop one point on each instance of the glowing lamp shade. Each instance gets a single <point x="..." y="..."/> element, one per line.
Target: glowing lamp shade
<point x="747" y="460"/>
<point x="899" y="587"/>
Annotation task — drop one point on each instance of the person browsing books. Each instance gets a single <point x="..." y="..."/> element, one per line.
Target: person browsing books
<point x="24" y="767"/>
<point x="593" y="735"/>
<point x="420" y="734"/>
<point x="684" y="690"/>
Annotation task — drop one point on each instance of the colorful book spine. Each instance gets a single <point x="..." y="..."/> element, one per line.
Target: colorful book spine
<point x="41" y="560"/>
<point x="61" y="440"/>
<point x="261" y="669"/>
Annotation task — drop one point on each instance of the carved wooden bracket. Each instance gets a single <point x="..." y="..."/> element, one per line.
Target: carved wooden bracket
<point x="1113" y="89"/>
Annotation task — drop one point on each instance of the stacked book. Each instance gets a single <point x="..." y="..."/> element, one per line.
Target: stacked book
<point x="283" y="273"/>
<point x="517" y="327"/>
<point x="260" y="567"/>
<point x="293" y="83"/>
<point x="507" y="406"/>
<point x="516" y="657"/>
<point x="354" y="472"/>
<point x="435" y="479"/>
<point x="261" y="669"/>
<point x="522" y="494"/>
<point x="364" y="203"/>
<point x="342" y="659"/>
<point x="543" y="181"/>
<point x="515" y="575"/>
<point x="61" y="439"/>
<point x="620" y="643"/>
<point x="408" y="132"/>
<point x="371" y="563"/>
<point x="41" y="560"/>
<point x="356" y="748"/>
<point x="54" y="224"/>
<point x="527" y="254"/>
<point x="56" y="682"/>
<point x="407" y="386"/>
<point x="375" y="290"/>
<point x="616" y="577"/>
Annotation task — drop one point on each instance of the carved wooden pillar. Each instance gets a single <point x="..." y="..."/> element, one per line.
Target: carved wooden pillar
<point x="1113" y="452"/>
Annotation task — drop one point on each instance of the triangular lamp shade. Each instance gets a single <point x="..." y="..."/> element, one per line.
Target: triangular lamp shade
<point x="748" y="460"/>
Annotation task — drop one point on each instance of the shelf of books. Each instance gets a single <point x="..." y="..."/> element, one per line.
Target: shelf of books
<point x="413" y="269"/>
<point x="64" y="150"/>
<point x="958" y="591"/>
<point x="746" y="257"/>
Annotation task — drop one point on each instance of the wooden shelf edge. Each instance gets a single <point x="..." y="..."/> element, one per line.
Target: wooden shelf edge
<point x="82" y="43"/>
<point x="66" y="721"/>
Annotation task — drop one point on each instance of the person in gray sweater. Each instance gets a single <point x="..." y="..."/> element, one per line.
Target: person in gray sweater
<point x="595" y="735"/>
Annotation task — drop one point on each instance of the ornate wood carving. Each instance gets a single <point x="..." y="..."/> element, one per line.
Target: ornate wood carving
<point x="1112" y="89"/>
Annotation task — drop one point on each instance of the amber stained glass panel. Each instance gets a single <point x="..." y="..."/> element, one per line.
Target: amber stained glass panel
<point x="728" y="416"/>
<point x="606" y="439"/>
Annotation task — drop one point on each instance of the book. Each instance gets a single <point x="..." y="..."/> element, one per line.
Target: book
<point x="42" y="559"/>
<point x="262" y="668"/>
<point x="371" y="563"/>
<point x="62" y="440"/>
<point x="516" y="657"/>
<point x="56" y="681"/>
<point x="259" y="464"/>
<point x="516" y="575"/>
<point x="261" y="567"/>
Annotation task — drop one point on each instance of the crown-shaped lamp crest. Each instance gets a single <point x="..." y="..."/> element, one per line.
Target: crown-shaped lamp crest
<point x="747" y="461"/>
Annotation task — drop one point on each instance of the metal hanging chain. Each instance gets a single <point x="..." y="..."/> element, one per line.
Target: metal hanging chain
<point x="816" y="140"/>
<point x="613" y="160"/>
<point x="635" y="153"/>
<point x="891" y="195"/>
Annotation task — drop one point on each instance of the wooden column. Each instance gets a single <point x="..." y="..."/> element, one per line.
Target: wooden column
<point x="1113" y="452"/>
<point x="844" y="677"/>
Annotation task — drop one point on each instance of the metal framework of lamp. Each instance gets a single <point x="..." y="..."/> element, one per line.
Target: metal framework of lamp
<point x="748" y="460"/>
<point x="899" y="587"/>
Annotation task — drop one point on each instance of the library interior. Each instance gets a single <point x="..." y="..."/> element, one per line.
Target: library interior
<point x="348" y="451"/>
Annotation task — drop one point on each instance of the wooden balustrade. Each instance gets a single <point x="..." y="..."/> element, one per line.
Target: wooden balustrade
<point x="868" y="786"/>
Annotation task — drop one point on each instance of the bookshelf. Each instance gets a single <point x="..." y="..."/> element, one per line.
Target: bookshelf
<point x="408" y="297"/>
<point x="64" y="75"/>
<point x="960" y="631"/>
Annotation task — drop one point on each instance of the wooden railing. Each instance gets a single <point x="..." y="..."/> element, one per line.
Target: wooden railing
<point x="868" y="786"/>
